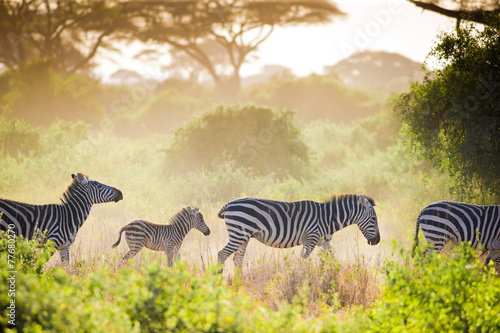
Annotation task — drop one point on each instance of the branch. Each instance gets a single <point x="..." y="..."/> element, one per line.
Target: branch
<point x="478" y="16"/>
<point x="196" y="53"/>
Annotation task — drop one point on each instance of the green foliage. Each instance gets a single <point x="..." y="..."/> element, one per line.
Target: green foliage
<point x="438" y="294"/>
<point x="28" y="256"/>
<point x="261" y="138"/>
<point x="18" y="137"/>
<point x="54" y="303"/>
<point x="314" y="97"/>
<point x="160" y="299"/>
<point x="453" y="117"/>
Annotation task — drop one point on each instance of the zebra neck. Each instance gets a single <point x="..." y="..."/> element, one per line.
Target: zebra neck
<point x="181" y="229"/>
<point x="341" y="215"/>
<point x="77" y="209"/>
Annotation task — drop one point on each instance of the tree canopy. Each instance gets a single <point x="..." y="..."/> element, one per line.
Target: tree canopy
<point x="219" y="35"/>
<point x="66" y="33"/>
<point x="235" y="28"/>
<point x="453" y="118"/>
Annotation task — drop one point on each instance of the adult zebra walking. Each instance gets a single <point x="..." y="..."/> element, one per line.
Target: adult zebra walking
<point x="57" y="222"/>
<point x="288" y="224"/>
<point x="162" y="237"/>
<point x="446" y="221"/>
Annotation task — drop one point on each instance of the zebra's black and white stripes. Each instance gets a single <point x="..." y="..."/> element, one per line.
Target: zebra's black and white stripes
<point x="461" y="222"/>
<point x="288" y="224"/>
<point x="162" y="237"/>
<point x="57" y="222"/>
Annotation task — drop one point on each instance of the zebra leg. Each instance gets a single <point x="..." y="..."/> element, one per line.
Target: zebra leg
<point x="309" y="245"/>
<point x="171" y="252"/>
<point x="64" y="254"/>
<point x="326" y="245"/>
<point x="493" y="255"/>
<point x="437" y="243"/>
<point x="134" y="247"/>
<point x="239" y="254"/>
<point x="230" y="248"/>
<point x="433" y="248"/>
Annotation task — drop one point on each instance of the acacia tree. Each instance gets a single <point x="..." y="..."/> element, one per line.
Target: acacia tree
<point x="65" y="33"/>
<point x="237" y="26"/>
<point x="453" y="117"/>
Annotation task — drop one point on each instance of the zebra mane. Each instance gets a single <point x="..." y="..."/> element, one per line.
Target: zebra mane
<point x="348" y="196"/>
<point x="176" y="218"/>
<point x="70" y="191"/>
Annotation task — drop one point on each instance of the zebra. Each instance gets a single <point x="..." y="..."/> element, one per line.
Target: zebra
<point x="57" y="222"/>
<point x="162" y="237"/>
<point x="287" y="224"/>
<point x="446" y="221"/>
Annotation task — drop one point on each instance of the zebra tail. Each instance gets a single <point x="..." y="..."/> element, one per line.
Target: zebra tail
<point x="222" y="211"/>
<point x="415" y="244"/>
<point x="119" y="239"/>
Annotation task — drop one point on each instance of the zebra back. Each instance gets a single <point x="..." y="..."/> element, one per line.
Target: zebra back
<point x="460" y="222"/>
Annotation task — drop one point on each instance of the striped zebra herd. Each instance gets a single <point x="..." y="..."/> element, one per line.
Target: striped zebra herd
<point x="274" y="223"/>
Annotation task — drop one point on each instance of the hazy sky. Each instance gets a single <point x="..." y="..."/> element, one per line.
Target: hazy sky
<point x="394" y="26"/>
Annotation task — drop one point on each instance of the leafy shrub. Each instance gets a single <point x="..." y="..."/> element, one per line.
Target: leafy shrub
<point x="438" y="294"/>
<point x="452" y="117"/>
<point x="49" y="301"/>
<point x="261" y="138"/>
<point x="160" y="299"/>
<point x="19" y="137"/>
<point x="28" y="256"/>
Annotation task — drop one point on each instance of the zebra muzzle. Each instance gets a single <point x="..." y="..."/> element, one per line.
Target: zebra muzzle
<point x="119" y="195"/>
<point x="375" y="240"/>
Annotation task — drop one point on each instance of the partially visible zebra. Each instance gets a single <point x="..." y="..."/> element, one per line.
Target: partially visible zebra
<point x="162" y="237"/>
<point x="57" y="222"/>
<point x="288" y="224"/>
<point x="461" y="222"/>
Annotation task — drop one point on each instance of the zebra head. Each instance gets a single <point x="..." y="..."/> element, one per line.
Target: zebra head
<point x="97" y="192"/>
<point x="199" y="222"/>
<point x="367" y="220"/>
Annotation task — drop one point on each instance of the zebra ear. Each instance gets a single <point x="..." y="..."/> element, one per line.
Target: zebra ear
<point x="366" y="202"/>
<point x="192" y="210"/>
<point x="81" y="179"/>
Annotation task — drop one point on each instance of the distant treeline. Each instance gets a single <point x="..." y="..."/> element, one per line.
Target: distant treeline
<point x="39" y="94"/>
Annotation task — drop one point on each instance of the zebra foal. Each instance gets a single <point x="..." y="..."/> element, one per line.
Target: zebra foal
<point x="457" y="222"/>
<point x="57" y="222"/>
<point x="287" y="224"/>
<point x="162" y="237"/>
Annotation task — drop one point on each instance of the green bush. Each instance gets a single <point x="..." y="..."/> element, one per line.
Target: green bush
<point x="159" y="300"/>
<point x="28" y="256"/>
<point x="439" y="294"/>
<point x="452" y="116"/>
<point x="50" y="301"/>
<point x="261" y="138"/>
<point x="19" y="137"/>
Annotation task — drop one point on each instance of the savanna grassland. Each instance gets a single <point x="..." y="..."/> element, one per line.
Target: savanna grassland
<point x="212" y="153"/>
